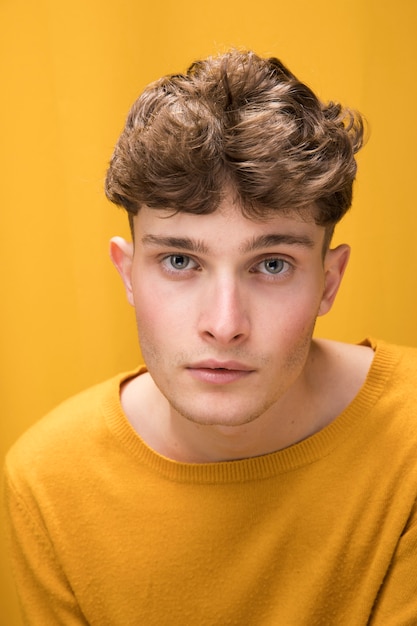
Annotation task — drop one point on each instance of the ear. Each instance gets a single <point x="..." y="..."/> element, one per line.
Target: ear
<point x="121" y="253"/>
<point x="335" y="263"/>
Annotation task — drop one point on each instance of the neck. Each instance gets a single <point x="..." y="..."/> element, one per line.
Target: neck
<point x="176" y="437"/>
<point x="331" y="378"/>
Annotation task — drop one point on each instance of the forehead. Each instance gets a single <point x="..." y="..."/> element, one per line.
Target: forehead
<point x="226" y="227"/>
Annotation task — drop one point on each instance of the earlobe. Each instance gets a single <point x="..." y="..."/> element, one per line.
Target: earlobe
<point x="121" y="253"/>
<point x="335" y="264"/>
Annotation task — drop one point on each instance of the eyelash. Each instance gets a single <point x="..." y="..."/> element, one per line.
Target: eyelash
<point x="174" y="270"/>
<point x="166" y="263"/>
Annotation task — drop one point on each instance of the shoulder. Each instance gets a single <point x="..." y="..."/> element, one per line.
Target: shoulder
<point x="405" y="356"/>
<point x="388" y="396"/>
<point x="372" y="374"/>
<point x="69" y="430"/>
<point x="369" y="357"/>
<point x="339" y="371"/>
<point x="396" y="364"/>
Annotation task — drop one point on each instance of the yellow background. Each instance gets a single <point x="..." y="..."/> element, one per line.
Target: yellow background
<point x="69" y="71"/>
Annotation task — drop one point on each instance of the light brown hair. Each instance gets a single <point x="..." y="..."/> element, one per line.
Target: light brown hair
<point x="240" y="122"/>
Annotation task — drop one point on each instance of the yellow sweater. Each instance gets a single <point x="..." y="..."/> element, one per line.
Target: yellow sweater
<point x="106" y="532"/>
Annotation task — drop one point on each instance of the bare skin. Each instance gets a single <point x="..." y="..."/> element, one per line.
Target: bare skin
<point x="226" y="308"/>
<point x="339" y="372"/>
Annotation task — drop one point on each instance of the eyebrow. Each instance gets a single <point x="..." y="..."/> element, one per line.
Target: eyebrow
<point x="276" y="239"/>
<point x="179" y="243"/>
<point x="257" y="243"/>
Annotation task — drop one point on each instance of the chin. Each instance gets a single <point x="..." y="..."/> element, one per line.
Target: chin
<point x="222" y="417"/>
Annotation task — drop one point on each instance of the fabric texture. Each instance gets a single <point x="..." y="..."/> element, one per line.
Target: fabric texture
<point x="106" y="532"/>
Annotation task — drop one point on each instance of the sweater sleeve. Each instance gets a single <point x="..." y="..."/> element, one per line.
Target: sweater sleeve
<point x="45" y="595"/>
<point x="397" y="600"/>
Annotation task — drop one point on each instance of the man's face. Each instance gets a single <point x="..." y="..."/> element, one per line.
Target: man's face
<point x="226" y="306"/>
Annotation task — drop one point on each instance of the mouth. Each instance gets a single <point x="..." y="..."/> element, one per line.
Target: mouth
<point x="219" y="372"/>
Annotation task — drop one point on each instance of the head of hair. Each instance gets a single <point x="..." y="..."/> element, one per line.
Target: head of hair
<point x="236" y="123"/>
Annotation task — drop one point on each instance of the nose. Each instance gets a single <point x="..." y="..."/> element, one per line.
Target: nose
<point x="224" y="316"/>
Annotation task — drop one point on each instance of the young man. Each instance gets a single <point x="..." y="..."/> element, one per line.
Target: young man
<point x="249" y="475"/>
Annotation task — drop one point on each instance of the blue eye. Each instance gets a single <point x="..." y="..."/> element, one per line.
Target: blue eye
<point x="179" y="261"/>
<point x="273" y="266"/>
<point x="178" y="265"/>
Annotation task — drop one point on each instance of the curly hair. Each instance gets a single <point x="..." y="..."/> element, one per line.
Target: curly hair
<point x="240" y="122"/>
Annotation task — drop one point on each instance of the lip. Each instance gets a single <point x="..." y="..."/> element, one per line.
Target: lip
<point x="213" y="364"/>
<point x="219" y="372"/>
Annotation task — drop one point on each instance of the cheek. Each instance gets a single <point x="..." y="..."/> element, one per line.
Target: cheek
<point x="151" y="326"/>
<point x="298" y="310"/>
<point x="289" y="334"/>
<point x="160" y="319"/>
<point x="148" y="305"/>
